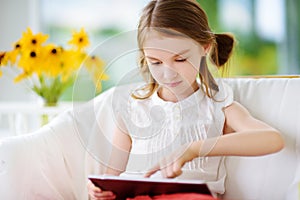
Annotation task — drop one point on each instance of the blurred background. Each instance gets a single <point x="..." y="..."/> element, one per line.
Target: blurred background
<point x="267" y="32"/>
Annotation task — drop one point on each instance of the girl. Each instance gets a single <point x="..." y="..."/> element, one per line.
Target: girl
<point x="176" y="124"/>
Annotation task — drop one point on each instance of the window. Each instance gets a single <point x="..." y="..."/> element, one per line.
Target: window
<point x="111" y="27"/>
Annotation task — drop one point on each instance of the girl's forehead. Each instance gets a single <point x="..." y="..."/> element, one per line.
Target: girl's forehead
<point x="172" y="44"/>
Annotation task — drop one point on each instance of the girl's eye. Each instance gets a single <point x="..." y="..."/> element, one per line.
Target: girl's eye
<point x="155" y="63"/>
<point x="181" y="60"/>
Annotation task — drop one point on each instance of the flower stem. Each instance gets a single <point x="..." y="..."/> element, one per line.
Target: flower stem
<point x="45" y="119"/>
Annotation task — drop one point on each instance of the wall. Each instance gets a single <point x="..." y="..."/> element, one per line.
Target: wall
<point x="15" y="16"/>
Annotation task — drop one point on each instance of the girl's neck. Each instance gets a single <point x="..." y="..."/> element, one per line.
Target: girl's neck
<point x="167" y="95"/>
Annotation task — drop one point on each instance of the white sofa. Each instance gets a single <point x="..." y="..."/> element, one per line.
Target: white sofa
<point x="53" y="162"/>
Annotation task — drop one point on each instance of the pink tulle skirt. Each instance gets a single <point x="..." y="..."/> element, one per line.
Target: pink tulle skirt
<point x="185" y="196"/>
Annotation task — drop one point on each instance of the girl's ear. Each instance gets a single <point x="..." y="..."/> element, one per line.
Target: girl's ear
<point x="206" y="48"/>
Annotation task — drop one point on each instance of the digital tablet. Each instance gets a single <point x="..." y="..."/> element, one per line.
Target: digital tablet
<point x="127" y="187"/>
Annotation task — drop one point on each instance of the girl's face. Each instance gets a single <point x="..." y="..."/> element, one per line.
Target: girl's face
<point x="174" y="63"/>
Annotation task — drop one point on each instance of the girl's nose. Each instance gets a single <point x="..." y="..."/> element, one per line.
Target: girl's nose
<point x="169" y="73"/>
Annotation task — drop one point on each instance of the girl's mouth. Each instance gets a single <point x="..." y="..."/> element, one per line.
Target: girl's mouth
<point x="173" y="84"/>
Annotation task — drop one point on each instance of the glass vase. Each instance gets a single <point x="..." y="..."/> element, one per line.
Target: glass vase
<point x="45" y="118"/>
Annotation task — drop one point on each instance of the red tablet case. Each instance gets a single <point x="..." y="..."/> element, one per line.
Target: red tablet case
<point x="125" y="187"/>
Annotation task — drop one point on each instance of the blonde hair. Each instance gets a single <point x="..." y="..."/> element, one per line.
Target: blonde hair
<point x="182" y="18"/>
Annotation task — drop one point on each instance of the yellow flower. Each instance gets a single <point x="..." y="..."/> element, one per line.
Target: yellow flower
<point x="72" y="60"/>
<point x="96" y="67"/>
<point x="22" y="76"/>
<point x="53" y="67"/>
<point x="53" y="60"/>
<point x="2" y="63"/>
<point x="31" y="61"/>
<point x="80" y="39"/>
<point x="2" y="55"/>
<point x="11" y="56"/>
<point x="31" y="41"/>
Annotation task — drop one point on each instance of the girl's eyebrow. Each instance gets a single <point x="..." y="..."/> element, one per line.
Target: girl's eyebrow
<point x="175" y="55"/>
<point x="152" y="58"/>
<point x="182" y="52"/>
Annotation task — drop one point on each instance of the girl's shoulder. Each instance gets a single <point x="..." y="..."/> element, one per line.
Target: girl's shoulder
<point x="225" y="94"/>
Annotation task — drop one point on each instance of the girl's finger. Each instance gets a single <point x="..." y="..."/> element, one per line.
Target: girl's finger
<point x="104" y="194"/>
<point x="96" y="193"/>
<point x="92" y="187"/>
<point x="152" y="171"/>
<point x="103" y="198"/>
<point x="169" y="170"/>
<point x="164" y="173"/>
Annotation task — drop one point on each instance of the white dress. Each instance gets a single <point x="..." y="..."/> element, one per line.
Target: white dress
<point x="158" y="128"/>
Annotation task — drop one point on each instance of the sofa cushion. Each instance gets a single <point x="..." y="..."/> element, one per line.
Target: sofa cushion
<point x="54" y="161"/>
<point x="275" y="101"/>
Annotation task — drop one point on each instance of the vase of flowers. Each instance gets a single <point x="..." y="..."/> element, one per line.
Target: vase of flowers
<point x="50" y="68"/>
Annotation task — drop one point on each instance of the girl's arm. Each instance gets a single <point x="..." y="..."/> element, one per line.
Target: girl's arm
<point x="243" y="136"/>
<point x="121" y="146"/>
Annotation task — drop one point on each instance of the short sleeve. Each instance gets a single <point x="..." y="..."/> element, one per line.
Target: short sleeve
<point x="225" y="94"/>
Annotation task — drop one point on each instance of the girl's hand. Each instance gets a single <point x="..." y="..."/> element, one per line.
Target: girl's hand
<point x="170" y="166"/>
<point x="96" y="193"/>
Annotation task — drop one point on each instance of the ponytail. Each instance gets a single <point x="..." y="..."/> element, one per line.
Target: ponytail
<point x="223" y="49"/>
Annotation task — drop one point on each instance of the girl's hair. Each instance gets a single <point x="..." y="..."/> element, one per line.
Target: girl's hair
<point x="182" y="18"/>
